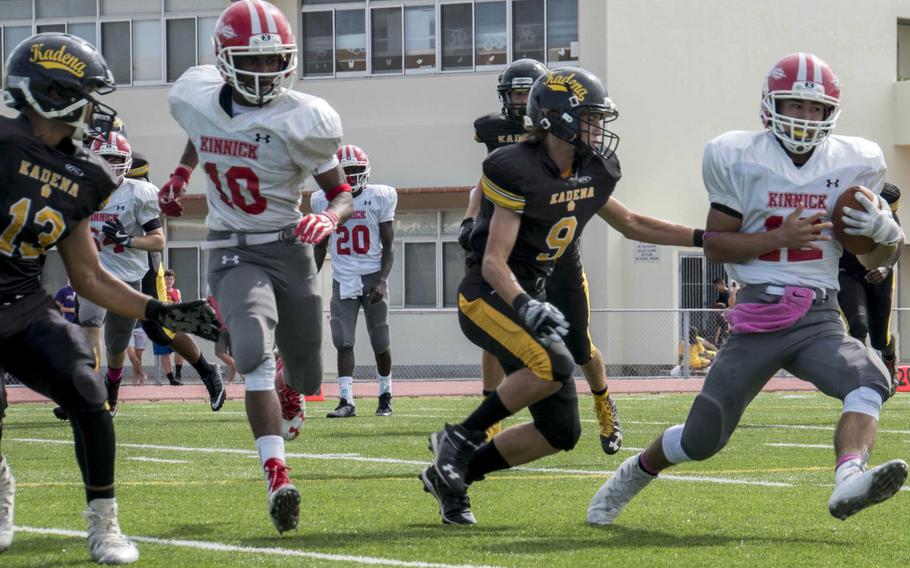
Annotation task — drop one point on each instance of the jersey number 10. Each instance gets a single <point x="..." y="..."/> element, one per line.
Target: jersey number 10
<point x="255" y="204"/>
<point x="792" y="255"/>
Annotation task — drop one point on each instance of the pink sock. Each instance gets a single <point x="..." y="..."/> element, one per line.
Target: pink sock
<point x="114" y="375"/>
<point x="846" y="458"/>
<point x="643" y="464"/>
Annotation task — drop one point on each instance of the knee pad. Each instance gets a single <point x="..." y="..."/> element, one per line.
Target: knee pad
<point x="341" y="339"/>
<point x="863" y="400"/>
<point x="556" y="418"/>
<point x="262" y="378"/>
<point x="251" y="342"/>
<point x="379" y="338"/>
<point x="88" y="395"/>
<point x="704" y="433"/>
<point x="562" y="362"/>
<point x="671" y="444"/>
<point x="156" y="332"/>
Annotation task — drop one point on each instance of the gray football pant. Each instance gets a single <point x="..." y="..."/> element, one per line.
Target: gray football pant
<point x="267" y="294"/>
<point x="344" y="316"/>
<point x="816" y="349"/>
<point x="117" y="329"/>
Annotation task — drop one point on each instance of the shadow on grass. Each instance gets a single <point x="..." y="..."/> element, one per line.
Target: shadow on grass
<point x="38" y="550"/>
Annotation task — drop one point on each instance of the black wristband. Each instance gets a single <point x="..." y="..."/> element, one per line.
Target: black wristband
<point x="467" y="221"/>
<point x="520" y="301"/>
<point x="152" y="309"/>
<point x="698" y="238"/>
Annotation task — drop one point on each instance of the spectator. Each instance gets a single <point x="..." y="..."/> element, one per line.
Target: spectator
<point x="134" y="352"/>
<point x="163" y="352"/>
<point x="173" y="296"/>
<point x="701" y="351"/>
<point x="68" y="302"/>
<point x="722" y="302"/>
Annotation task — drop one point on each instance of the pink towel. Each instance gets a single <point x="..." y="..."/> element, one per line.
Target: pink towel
<point x="764" y="318"/>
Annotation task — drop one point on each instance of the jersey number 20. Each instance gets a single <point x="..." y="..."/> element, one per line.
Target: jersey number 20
<point x="359" y="238"/>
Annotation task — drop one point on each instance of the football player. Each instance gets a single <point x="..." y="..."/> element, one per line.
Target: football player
<point x="362" y="258"/>
<point x="52" y="187"/>
<point x="865" y="297"/>
<point x="256" y="139"/>
<point x="567" y="285"/>
<point x="770" y="193"/>
<point x="539" y="195"/>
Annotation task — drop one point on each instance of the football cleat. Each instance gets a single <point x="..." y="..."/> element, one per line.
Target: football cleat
<point x="616" y="493"/>
<point x="7" y="503"/>
<point x="866" y="487"/>
<point x="493" y="431"/>
<point x="106" y="543"/>
<point x="608" y="418"/>
<point x="454" y="507"/>
<point x="284" y="499"/>
<point x="344" y="410"/>
<point x="113" y="391"/>
<point x="173" y="381"/>
<point x="385" y="404"/>
<point x="454" y="446"/>
<point x="215" y="386"/>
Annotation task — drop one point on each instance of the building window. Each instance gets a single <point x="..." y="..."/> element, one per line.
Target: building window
<point x="457" y="37"/>
<point x="147" y="62"/>
<point x="386" y="40"/>
<point x="181" y="47"/>
<point x="419" y="39"/>
<point x="903" y="50"/>
<point x="528" y="29"/>
<point x="350" y="42"/>
<point x="562" y="30"/>
<point x="17" y="9"/>
<point x="490" y="43"/>
<point x="114" y="37"/>
<point x="317" y="44"/>
<point x="65" y="8"/>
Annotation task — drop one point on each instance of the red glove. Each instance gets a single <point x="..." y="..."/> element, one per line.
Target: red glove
<point x="171" y="192"/>
<point x="315" y="227"/>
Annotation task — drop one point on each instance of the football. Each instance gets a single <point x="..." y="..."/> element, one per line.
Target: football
<point x="855" y="244"/>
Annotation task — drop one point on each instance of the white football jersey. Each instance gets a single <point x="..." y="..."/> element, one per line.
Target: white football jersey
<point x="134" y="203"/>
<point x="256" y="161"/>
<point x="750" y="173"/>
<point x="355" y="246"/>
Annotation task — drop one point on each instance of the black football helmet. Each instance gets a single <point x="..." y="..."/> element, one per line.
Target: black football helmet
<point x="569" y="100"/>
<point x="56" y="75"/>
<point x="518" y="76"/>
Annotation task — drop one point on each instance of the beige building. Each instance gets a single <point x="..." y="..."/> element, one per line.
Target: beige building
<point x="408" y="78"/>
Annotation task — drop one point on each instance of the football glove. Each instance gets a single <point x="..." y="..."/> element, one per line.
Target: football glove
<point x="464" y="234"/>
<point x="315" y="227"/>
<point x="173" y="189"/>
<point x="195" y="317"/>
<point x="115" y="231"/>
<point x="546" y="323"/>
<point x="876" y="223"/>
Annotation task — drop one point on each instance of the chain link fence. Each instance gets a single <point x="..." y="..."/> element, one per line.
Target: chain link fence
<point x="428" y="344"/>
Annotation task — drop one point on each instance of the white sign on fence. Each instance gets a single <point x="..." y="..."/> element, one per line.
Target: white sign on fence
<point x="646" y="252"/>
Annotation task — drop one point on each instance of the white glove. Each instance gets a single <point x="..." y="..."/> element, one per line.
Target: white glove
<point x="877" y="224"/>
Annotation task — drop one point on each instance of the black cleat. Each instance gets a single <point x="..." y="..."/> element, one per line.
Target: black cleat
<point x="174" y="382"/>
<point x="385" y="404"/>
<point x="344" y="410"/>
<point x="60" y="414"/>
<point x="215" y="386"/>
<point x="455" y="508"/>
<point x="113" y="390"/>
<point x="454" y="446"/>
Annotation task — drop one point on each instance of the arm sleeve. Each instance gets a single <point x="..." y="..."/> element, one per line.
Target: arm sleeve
<point x="717" y="179"/>
<point x="499" y="184"/>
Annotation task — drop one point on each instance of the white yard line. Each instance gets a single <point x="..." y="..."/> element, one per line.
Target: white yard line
<point x="785" y="445"/>
<point x="421" y="463"/>
<point x="155" y="460"/>
<point x="220" y="547"/>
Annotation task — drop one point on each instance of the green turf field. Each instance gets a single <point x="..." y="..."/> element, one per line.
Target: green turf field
<point x="761" y="502"/>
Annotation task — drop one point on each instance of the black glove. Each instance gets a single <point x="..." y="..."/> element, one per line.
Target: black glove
<point x="464" y="234"/>
<point x="546" y="323"/>
<point x="115" y="231"/>
<point x="195" y="317"/>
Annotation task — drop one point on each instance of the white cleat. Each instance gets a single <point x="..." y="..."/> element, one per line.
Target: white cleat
<point x="617" y="491"/>
<point x="867" y="488"/>
<point x="7" y="501"/>
<point x="105" y="541"/>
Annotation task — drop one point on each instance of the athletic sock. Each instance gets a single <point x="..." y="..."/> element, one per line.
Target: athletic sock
<point x="346" y="389"/>
<point x="485" y="460"/>
<point x="203" y="367"/>
<point x="847" y="465"/>
<point x="179" y="370"/>
<point x="95" y="444"/>
<point x="643" y="465"/>
<point x="487" y="393"/>
<point x="490" y="411"/>
<point x="170" y="377"/>
<point x="599" y="393"/>
<point x="114" y="375"/>
<point x="270" y="447"/>
<point x="385" y="384"/>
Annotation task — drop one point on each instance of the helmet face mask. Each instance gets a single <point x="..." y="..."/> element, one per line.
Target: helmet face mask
<point x="803" y="77"/>
<point x="56" y="75"/>
<point x="572" y="104"/>
<point x="255" y="50"/>
<point x="518" y="77"/>
<point x="356" y="165"/>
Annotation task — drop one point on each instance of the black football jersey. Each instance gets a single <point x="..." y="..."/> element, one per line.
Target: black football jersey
<point x="45" y="193"/>
<point x="496" y="131"/>
<point x="848" y="262"/>
<point x="554" y="209"/>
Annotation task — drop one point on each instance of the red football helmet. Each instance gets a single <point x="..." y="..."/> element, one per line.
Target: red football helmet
<point x="115" y="145"/>
<point x="806" y="77"/>
<point x="254" y="28"/>
<point x="356" y="165"/>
